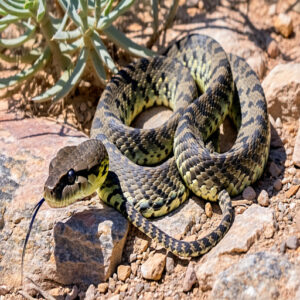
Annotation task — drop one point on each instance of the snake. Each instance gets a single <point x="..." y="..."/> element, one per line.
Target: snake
<point x="146" y="173"/>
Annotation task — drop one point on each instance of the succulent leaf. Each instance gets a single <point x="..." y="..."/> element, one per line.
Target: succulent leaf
<point x="16" y="42"/>
<point x="74" y="77"/>
<point x="8" y="8"/>
<point x="41" y="10"/>
<point x="26" y="58"/>
<point x="113" y="15"/>
<point x="124" y="42"/>
<point x="98" y="65"/>
<point x="102" y="52"/>
<point x="9" y="19"/>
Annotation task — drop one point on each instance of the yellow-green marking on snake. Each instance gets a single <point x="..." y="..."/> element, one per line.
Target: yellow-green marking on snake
<point x="134" y="170"/>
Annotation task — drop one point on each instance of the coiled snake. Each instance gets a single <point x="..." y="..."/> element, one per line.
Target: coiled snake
<point x="195" y="81"/>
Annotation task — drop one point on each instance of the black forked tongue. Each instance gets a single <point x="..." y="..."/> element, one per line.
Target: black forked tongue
<point x="35" y="210"/>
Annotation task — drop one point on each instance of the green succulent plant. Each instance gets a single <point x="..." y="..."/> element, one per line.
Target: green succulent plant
<point x="80" y="31"/>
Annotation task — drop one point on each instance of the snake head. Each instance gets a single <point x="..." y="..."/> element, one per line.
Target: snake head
<point x="76" y="172"/>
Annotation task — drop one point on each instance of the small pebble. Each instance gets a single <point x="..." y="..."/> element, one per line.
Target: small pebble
<point x="143" y="245"/>
<point x="170" y="264"/>
<point x="240" y="209"/>
<point x="90" y="293"/>
<point x="281" y="207"/>
<point x="297" y="220"/>
<point x="73" y="294"/>
<point x="283" y="23"/>
<point x="269" y="231"/>
<point x="278" y="123"/>
<point x="154" y="266"/>
<point x="282" y="247"/>
<point x="274" y="169"/>
<point x="292" y="242"/>
<point x="124" y="287"/>
<point x="123" y="272"/>
<point x="3" y="290"/>
<point x="263" y="198"/>
<point x="139" y="287"/>
<point x="277" y="184"/>
<point x="292" y="170"/>
<point x="132" y="257"/>
<point x="208" y="209"/>
<point x="273" y="50"/>
<point x="111" y="284"/>
<point x="102" y="287"/>
<point x="190" y="278"/>
<point x="249" y="193"/>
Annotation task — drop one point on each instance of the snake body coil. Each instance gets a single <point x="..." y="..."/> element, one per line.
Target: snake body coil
<point x="196" y="82"/>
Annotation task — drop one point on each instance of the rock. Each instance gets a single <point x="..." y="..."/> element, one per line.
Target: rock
<point x="269" y="231"/>
<point x="190" y="278"/>
<point x="277" y="184"/>
<point x="139" y="287"/>
<point x="292" y="191"/>
<point x="292" y="171"/>
<point x="111" y="284"/>
<point x="154" y="266"/>
<point x="297" y="219"/>
<point x="278" y="123"/>
<point x="123" y="272"/>
<point x="283" y="23"/>
<point x="170" y="263"/>
<point x="274" y="170"/>
<point x="102" y="287"/>
<point x="4" y="290"/>
<point x="282" y="90"/>
<point x="245" y="230"/>
<point x="87" y="241"/>
<point x="263" y="198"/>
<point x="182" y="219"/>
<point x="292" y="242"/>
<point x="73" y="294"/>
<point x="272" y="10"/>
<point x="258" y="64"/>
<point x="143" y="245"/>
<point x="296" y="154"/>
<point x="96" y="255"/>
<point x="132" y="257"/>
<point x="273" y="50"/>
<point x="208" y="209"/>
<point x="115" y="297"/>
<point x="271" y="277"/>
<point x="249" y="193"/>
<point x="124" y="287"/>
<point x="90" y="293"/>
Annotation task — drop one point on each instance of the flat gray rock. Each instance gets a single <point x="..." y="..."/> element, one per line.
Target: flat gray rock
<point x="245" y="230"/>
<point x="261" y="275"/>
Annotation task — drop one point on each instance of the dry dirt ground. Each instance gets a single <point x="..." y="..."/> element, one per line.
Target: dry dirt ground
<point x="79" y="107"/>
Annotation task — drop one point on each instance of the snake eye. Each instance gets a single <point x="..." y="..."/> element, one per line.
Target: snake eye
<point x="71" y="176"/>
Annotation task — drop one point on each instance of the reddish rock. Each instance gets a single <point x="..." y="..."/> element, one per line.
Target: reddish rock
<point x="283" y="23"/>
<point x="273" y="50"/>
<point x="282" y="90"/>
<point x="296" y="153"/>
<point x="123" y="272"/>
<point x="154" y="266"/>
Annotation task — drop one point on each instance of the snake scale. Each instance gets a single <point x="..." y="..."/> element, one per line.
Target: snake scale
<point x="146" y="173"/>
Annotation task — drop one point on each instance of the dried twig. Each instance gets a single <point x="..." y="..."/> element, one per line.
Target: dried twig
<point x="46" y="295"/>
<point x="26" y="295"/>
